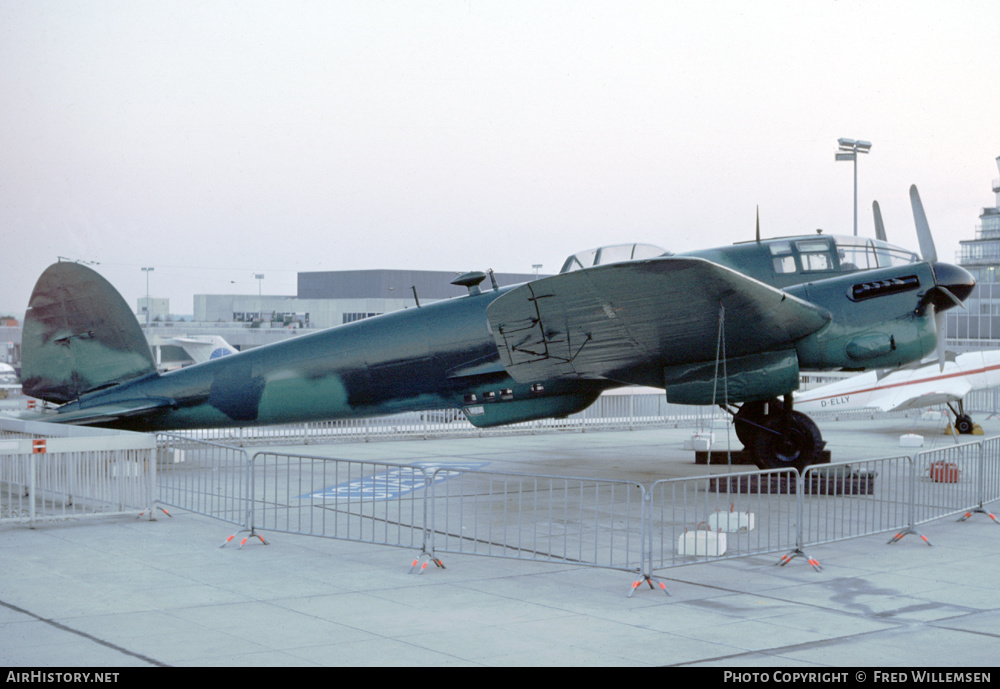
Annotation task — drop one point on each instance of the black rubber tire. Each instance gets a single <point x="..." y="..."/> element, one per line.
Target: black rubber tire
<point x="751" y="417"/>
<point x="800" y="447"/>
<point x="964" y="424"/>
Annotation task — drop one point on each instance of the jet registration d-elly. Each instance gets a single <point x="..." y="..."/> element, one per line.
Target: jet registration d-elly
<point x="912" y="387"/>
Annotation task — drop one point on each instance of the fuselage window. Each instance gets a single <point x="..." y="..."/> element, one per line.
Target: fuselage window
<point x="784" y="264"/>
<point x="855" y="258"/>
<point x="782" y="258"/>
<point x="815" y="255"/>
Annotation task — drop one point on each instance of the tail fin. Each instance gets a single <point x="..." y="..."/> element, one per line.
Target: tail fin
<point x="79" y="335"/>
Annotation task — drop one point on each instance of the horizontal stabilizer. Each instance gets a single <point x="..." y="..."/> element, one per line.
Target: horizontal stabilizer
<point x="602" y="321"/>
<point x="106" y="413"/>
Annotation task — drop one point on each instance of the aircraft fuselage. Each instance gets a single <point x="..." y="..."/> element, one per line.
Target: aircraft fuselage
<point x="441" y="355"/>
<point x="445" y="354"/>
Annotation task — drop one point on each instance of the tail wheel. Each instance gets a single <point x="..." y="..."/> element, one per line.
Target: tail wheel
<point x="783" y="443"/>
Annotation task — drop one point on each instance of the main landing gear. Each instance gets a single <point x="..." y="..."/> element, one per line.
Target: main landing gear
<point x="963" y="422"/>
<point x="776" y="436"/>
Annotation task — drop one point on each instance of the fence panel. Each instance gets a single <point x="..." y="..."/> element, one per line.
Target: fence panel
<point x="203" y="477"/>
<point x="946" y="481"/>
<point x="371" y="502"/>
<point x="990" y="471"/>
<point x="721" y="517"/>
<point x="62" y="478"/>
<point x="581" y="521"/>
<point x="850" y="499"/>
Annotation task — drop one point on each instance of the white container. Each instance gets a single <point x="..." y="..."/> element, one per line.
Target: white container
<point x="701" y="543"/>
<point x="911" y="440"/>
<point x="732" y="522"/>
<point x="699" y="442"/>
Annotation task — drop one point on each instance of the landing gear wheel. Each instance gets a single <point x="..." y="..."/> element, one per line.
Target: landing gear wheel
<point x="963" y="424"/>
<point x="750" y="419"/>
<point x="796" y="445"/>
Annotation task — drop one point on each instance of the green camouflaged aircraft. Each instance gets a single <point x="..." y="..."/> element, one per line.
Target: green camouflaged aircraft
<point x="731" y="326"/>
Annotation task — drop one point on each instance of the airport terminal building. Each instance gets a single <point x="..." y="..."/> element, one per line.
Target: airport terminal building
<point x="328" y="298"/>
<point x="977" y="326"/>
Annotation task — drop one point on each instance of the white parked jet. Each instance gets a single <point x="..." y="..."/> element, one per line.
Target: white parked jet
<point x="910" y="388"/>
<point x="199" y="348"/>
<point x="204" y="347"/>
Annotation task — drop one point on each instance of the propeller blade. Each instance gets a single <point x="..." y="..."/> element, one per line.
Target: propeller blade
<point x="939" y="322"/>
<point x="879" y="227"/>
<point x="927" y="250"/>
<point x="951" y="295"/>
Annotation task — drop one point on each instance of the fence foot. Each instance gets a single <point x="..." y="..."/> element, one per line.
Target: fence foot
<point x="979" y="510"/>
<point x="649" y="580"/>
<point x="798" y="552"/>
<point x="253" y="534"/>
<point x="423" y="560"/>
<point x="905" y="532"/>
<point x="151" y="511"/>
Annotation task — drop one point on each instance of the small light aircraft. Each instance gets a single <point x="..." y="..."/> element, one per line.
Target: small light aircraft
<point x="8" y="380"/>
<point x="731" y="326"/>
<point x="7" y="374"/>
<point x="911" y="387"/>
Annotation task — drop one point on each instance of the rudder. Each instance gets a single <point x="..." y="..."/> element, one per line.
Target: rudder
<point x="79" y="335"/>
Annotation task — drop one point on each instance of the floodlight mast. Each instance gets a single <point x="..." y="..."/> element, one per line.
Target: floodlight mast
<point x="260" y="299"/>
<point x="147" y="271"/>
<point x="849" y="150"/>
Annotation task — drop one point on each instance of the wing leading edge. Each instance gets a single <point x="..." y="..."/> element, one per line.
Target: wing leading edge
<point x="608" y="321"/>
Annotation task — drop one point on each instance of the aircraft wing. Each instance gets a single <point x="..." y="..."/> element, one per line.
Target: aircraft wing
<point x="918" y="395"/>
<point x="602" y="321"/>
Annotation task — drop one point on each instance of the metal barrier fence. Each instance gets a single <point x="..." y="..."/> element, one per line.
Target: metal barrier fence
<point x="451" y="508"/>
<point x="459" y="508"/>
<point x="582" y="521"/>
<point x="720" y="517"/>
<point x="84" y="473"/>
<point x="958" y="479"/>
<point x="945" y="481"/>
<point x="991" y="471"/>
<point x="372" y="502"/>
<point x="853" y="499"/>
<point x="602" y="523"/>
<point x="983" y="401"/>
<point x="203" y="477"/>
<point x="790" y="511"/>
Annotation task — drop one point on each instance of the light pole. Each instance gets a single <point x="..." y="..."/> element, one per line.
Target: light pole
<point x="260" y="299"/>
<point x="147" y="271"/>
<point x="849" y="150"/>
<point x="536" y="266"/>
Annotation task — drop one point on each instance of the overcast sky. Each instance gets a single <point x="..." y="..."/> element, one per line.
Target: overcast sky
<point x="212" y="140"/>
